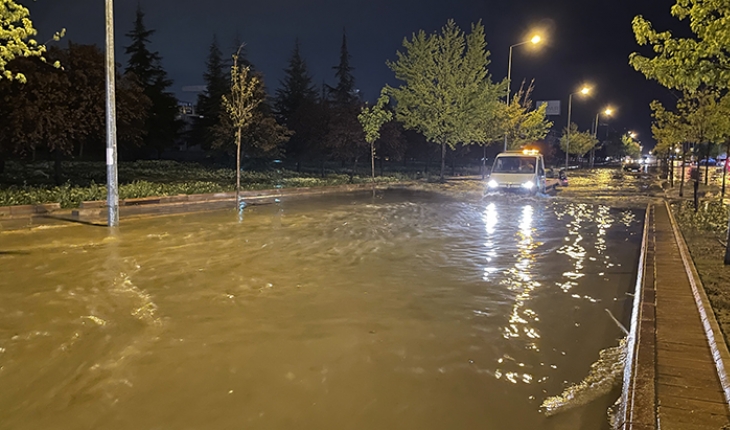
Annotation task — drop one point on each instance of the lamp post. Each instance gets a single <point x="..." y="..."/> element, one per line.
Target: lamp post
<point x="608" y="112"/>
<point x="534" y="40"/>
<point x="112" y="190"/>
<point x="584" y="91"/>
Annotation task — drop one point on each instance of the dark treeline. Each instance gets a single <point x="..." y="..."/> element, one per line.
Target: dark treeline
<point x="60" y="114"/>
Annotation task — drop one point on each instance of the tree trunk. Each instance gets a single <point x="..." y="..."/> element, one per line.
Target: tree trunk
<point x="352" y="173"/>
<point x="453" y="164"/>
<point x="299" y="166"/>
<point x="443" y="162"/>
<point x="2" y="164"/>
<point x="238" y="166"/>
<point x="671" y="167"/>
<point x="382" y="167"/>
<point x="321" y="166"/>
<point x="592" y="158"/>
<point x="696" y="187"/>
<point x="57" y="166"/>
<point x="724" y="168"/>
<point x="727" y="241"/>
<point x="681" y="179"/>
<point x="372" y="160"/>
<point x="81" y="149"/>
<point x="484" y="163"/>
<point x="707" y="164"/>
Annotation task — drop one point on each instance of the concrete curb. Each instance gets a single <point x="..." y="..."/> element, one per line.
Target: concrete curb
<point x="715" y="339"/>
<point x="634" y="407"/>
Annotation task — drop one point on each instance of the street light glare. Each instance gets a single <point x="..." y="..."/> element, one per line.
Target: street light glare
<point x="536" y="39"/>
<point x="585" y="90"/>
<point x="608" y="111"/>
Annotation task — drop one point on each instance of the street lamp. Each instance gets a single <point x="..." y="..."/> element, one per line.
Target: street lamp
<point x="536" y="39"/>
<point x="583" y="91"/>
<point x="608" y="112"/>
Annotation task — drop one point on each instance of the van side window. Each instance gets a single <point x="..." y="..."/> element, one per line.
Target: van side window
<point x="540" y="169"/>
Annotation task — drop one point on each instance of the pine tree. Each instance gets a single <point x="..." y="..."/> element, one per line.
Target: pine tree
<point x="344" y="92"/>
<point x="345" y="139"/>
<point x="162" y="125"/>
<point x="293" y="104"/>
<point x="210" y="102"/>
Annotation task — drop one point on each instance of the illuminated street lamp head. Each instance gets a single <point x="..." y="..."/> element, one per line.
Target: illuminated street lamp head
<point x="585" y="90"/>
<point x="632" y="134"/>
<point x="608" y="111"/>
<point x="536" y="39"/>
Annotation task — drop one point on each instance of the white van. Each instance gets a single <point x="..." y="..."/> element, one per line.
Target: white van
<point x="518" y="171"/>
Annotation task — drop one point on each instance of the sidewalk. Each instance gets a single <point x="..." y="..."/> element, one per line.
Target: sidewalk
<point x="677" y="370"/>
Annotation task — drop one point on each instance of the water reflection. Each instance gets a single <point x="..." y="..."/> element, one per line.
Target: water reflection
<point x="522" y="317"/>
<point x="490" y="223"/>
<point x="443" y="313"/>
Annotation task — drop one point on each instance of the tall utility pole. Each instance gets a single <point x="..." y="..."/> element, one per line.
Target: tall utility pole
<point x="112" y="190"/>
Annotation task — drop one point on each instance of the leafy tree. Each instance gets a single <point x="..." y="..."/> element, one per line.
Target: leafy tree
<point x="631" y="146"/>
<point x="577" y="142"/>
<point x="60" y="110"/>
<point x="372" y="119"/>
<point x="687" y="63"/>
<point x="668" y="133"/>
<point x="524" y="125"/>
<point x="445" y="79"/>
<point x="392" y="144"/>
<point x="293" y="104"/>
<point x="666" y="129"/>
<point x="240" y="105"/>
<point x="16" y="39"/>
<point x="162" y="124"/>
<point x="210" y="102"/>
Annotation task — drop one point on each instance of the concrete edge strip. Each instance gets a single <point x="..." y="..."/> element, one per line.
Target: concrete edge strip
<point x="627" y="397"/>
<point x="715" y="339"/>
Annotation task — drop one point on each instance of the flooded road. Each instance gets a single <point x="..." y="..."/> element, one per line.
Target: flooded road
<point x="404" y="310"/>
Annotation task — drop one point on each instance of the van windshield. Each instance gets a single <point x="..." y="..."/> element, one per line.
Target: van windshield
<point x="514" y="165"/>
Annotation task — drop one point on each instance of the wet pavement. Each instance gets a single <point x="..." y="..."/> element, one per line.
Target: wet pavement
<point x="678" y="373"/>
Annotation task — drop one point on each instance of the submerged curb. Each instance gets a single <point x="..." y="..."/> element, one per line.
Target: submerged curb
<point x="94" y="212"/>
<point x="638" y="399"/>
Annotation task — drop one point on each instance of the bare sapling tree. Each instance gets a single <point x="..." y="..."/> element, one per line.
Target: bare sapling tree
<point x="240" y="104"/>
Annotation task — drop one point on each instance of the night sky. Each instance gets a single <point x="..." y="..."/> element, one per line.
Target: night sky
<point x="587" y="41"/>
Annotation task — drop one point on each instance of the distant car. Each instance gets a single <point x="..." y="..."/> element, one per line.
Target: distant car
<point x="632" y="167"/>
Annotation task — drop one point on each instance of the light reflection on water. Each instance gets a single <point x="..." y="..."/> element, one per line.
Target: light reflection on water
<point x="403" y="310"/>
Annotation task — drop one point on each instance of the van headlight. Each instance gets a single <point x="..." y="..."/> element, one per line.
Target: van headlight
<point x="528" y="185"/>
<point x="493" y="184"/>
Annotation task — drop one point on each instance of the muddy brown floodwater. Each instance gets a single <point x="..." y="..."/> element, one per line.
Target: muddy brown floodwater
<point x="401" y="310"/>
